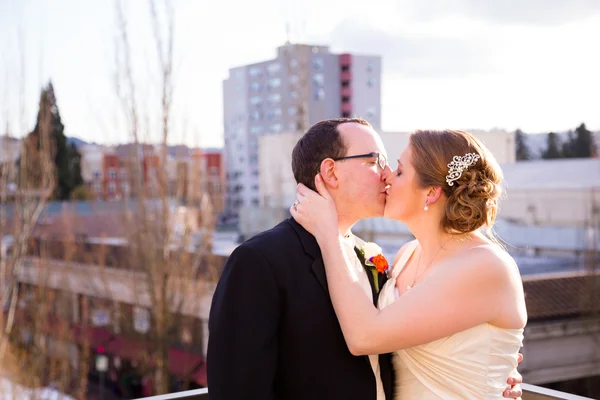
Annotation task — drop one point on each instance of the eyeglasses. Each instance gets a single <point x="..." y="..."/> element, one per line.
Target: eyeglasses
<point x="381" y="160"/>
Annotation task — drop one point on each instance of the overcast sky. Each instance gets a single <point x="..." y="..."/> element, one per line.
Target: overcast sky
<point x="479" y="64"/>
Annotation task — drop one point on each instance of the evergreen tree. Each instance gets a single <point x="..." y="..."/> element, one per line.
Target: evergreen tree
<point x="75" y="166"/>
<point x="522" y="148"/>
<point x="568" y="149"/>
<point x="552" y="147"/>
<point x="66" y="160"/>
<point x="583" y="143"/>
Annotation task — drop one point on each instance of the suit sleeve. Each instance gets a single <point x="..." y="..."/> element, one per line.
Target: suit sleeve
<point x="243" y="329"/>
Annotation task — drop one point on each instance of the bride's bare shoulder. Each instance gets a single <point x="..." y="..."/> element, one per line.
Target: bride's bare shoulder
<point x="493" y="257"/>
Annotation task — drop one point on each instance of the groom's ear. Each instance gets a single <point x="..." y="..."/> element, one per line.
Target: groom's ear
<point x="328" y="172"/>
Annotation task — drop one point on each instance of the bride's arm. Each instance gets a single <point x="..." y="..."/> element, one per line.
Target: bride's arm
<point x="450" y="301"/>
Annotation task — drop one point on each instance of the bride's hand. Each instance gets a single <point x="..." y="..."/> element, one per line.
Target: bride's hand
<point x="316" y="212"/>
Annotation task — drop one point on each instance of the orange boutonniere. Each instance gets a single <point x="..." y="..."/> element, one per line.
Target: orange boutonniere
<point x="380" y="263"/>
<point x="374" y="259"/>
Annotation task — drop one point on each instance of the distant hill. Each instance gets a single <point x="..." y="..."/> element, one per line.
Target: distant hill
<point x="78" y="142"/>
<point x="174" y="150"/>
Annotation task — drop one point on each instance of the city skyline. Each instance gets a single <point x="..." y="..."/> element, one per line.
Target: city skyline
<point x="477" y="66"/>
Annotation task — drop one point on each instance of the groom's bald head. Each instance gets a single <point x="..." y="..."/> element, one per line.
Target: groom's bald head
<point x="322" y="140"/>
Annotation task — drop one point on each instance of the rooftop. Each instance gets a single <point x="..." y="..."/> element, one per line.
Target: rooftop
<point x="561" y="174"/>
<point x="561" y="243"/>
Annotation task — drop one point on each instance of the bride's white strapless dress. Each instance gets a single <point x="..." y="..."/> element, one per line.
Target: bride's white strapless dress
<point x="472" y="364"/>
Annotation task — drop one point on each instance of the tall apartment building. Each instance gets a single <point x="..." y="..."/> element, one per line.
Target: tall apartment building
<point x="301" y="86"/>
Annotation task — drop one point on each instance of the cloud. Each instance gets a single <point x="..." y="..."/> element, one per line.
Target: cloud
<point x="413" y="55"/>
<point x="506" y="12"/>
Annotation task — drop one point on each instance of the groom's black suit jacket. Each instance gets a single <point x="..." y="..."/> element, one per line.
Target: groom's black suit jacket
<point x="273" y="332"/>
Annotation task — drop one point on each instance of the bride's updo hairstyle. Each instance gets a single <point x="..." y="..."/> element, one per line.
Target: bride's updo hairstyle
<point x="467" y="172"/>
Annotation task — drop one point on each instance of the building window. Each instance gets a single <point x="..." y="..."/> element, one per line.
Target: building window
<point x="371" y="112"/>
<point x="255" y="71"/>
<point x="97" y="188"/>
<point x="275" y="128"/>
<point x="112" y="173"/>
<point x="318" y="63"/>
<point x="274" y="83"/>
<point x="141" y="319"/>
<point x="319" y="94"/>
<point x="371" y="82"/>
<point x="255" y="100"/>
<point x="238" y="74"/>
<point x="112" y="188"/>
<point x="273" y="68"/>
<point x="274" y="98"/>
<point x="255" y="115"/>
<point x="292" y="110"/>
<point x="125" y="188"/>
<point x="294" y="126"/>
<point x="274" y="113"/>
<point x="294" y="94"/>
<point x="370" y="66"/>
<point x="293" y="63"/>
<point x="100" y="317"/>
<point x="256" y="130"/>
<point x="96" y="174"/>
<point x="318" y="79"/>
<point x="294" y="79"/>
<point x="255" y="86"/>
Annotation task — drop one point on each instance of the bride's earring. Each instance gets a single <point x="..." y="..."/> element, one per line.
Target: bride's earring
<point x="426" y="206"/>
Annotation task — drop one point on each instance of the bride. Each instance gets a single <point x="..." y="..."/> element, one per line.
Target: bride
<point x="453" y="309"/>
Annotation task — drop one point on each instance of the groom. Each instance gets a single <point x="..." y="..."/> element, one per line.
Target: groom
<point x="273" y="332"/>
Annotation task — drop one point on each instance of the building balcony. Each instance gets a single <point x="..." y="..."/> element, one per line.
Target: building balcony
<point x="530" y="392"/>
<point x="346" y="107"/>
<point x="345" y="60"/>
<point x="345" y="76"/>
<point x="346" y="91"/>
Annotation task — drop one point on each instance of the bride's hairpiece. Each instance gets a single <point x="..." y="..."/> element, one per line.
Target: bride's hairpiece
<point x="458" y="165"/>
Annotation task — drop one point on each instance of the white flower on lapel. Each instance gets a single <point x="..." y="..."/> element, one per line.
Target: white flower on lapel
<point x="370" y="250"/>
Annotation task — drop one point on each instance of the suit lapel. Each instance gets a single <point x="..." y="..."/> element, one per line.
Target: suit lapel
<point x="311" y="247"/>
<point x="369" y="274"/>
<point x="382" y="278"/>
<point x="319" y="270"/>
<point x="371" y="360"/>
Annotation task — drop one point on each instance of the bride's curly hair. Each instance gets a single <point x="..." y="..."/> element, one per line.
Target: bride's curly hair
<point x="472" y="202"/>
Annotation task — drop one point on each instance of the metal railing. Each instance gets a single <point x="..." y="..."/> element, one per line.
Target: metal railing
<point x="196" y="394"/>
<point x="530" y="392"/>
